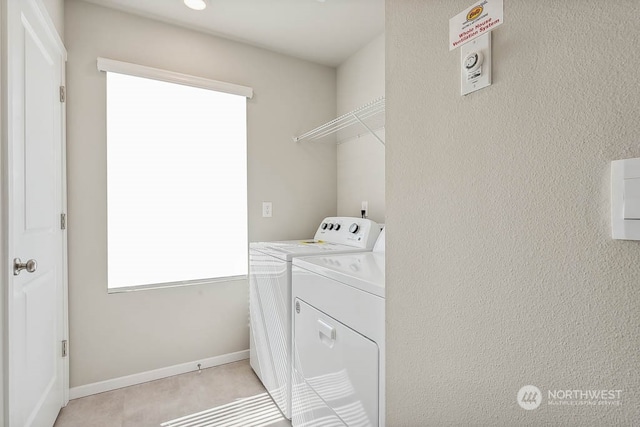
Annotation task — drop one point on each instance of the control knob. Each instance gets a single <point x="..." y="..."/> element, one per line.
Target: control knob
<point x="330" y="226"/>
<point x="354" y="228"/>
<point x="324" y="226"/>
<point x="337" y="227"/>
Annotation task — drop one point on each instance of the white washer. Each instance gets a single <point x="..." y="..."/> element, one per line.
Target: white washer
<point x="270" y="296"/>
<point x="339" y="339"/>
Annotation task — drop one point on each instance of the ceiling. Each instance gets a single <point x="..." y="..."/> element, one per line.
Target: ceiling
<point x="327" y="32"/>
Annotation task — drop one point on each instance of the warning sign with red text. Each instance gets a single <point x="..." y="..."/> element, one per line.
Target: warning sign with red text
<point x="473" y="22"/>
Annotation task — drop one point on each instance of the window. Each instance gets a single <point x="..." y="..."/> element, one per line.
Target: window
<point x="176" y="183"/>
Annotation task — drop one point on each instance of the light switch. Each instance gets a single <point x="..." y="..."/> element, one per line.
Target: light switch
<point x="625" y="199"/>
<point x="631" y="198"/>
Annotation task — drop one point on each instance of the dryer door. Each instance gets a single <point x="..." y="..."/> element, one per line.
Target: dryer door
<point x="338" y="364"/>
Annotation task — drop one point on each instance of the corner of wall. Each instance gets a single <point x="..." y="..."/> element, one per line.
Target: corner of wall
<point x="361" y="160"/>
<point x="55" y="8"/>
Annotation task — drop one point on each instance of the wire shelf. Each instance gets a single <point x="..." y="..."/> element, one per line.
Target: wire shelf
<point x="368" y="119"/>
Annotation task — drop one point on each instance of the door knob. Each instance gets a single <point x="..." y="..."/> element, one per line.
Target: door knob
<point x="18" y="266"/>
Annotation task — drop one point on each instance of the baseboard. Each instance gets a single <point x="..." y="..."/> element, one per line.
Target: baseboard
<point x="156" y="374"/>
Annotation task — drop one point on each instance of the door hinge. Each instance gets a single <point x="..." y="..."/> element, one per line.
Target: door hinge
<point x="63" y="94"/>
<point x="63" y="221"/>
<point x="64" y="348"/>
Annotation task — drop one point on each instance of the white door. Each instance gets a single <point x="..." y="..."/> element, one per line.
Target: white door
<point x="35" y="198"/>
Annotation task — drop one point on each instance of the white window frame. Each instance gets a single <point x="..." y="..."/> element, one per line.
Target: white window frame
<point x="110" y="65"/>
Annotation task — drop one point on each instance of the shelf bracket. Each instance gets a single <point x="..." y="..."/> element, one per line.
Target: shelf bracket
<point x="368" y="128"/>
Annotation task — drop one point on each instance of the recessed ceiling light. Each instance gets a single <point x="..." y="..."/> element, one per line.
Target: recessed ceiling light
<point x="195" y="4"/>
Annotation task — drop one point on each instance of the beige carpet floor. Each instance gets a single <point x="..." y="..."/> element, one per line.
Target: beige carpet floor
<point x="228" y="395"/>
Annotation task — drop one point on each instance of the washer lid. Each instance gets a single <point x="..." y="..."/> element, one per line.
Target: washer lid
<point x="288" y="249"/>
<point x="361" y="270"/>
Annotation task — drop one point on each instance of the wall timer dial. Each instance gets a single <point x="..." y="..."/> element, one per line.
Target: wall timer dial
<point x="473" y="64"/>
<point x="475" y="70"/>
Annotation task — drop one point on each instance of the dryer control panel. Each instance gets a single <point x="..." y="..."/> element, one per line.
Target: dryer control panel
<point x="351" y="231"/>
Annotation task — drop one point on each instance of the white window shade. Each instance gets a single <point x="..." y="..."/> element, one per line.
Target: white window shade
<point x="130" y="69"/>
<point x="177" y="183"/>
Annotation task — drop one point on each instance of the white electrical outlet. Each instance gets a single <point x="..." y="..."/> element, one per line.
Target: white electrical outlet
<point x="267" y="209"/>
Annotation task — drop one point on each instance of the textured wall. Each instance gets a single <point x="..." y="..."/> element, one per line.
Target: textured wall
<point x="501" y="271"/>
<point x="360" y="80"/>
<point x="121" y="334"/>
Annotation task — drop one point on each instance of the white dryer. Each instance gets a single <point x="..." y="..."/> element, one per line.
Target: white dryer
<point x="270" y="295"/>
<point x="339" y="339"/>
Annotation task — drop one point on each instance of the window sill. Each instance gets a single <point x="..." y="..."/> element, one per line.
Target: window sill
<point x="174" y="284"/>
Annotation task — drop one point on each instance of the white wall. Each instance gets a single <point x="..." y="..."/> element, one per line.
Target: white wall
<point x="55" y="8"/>
<point x="501" y="271"/>
<point x="360" y="80"/>
<point x="121" y="334"/>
